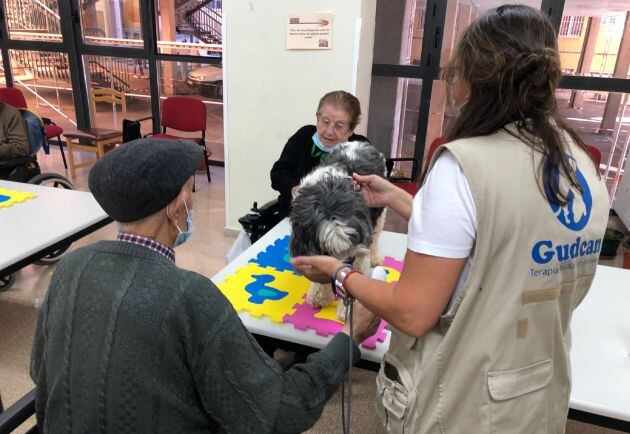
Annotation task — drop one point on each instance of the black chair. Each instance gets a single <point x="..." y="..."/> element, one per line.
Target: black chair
<point x="14" y="416"/>
<point x="407" y="183"/>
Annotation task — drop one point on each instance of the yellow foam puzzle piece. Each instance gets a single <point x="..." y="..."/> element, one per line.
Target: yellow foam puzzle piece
<point x="14" y="196"/>
<point x="234" y="288"/>
<point x="329" y="312"/>
<point x="393" y="274"/>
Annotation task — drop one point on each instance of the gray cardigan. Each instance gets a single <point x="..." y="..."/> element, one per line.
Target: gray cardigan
<point x="128" y="342"/>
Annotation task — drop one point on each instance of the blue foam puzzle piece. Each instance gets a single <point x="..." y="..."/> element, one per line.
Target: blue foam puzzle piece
<point x="276" y="256"/>
<point x="261" y="292"/>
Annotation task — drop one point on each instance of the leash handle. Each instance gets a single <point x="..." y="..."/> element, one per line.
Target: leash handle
<point x="345" y="416"/>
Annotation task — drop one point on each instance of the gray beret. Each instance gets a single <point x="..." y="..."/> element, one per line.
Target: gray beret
<point x="141" y="177"/>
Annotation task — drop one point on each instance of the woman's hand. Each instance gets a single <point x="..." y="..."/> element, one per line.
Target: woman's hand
<point x="377" y="191"/>
<point x="318" y="269"/>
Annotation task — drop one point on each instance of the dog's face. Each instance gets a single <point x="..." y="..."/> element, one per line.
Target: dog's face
<point x="361" y="158"/>
<point x="329" y="217"/>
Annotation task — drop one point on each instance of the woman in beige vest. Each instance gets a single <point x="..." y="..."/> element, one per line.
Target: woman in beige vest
<point x="503" y="244"/>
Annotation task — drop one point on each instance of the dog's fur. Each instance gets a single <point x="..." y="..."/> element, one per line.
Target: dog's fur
<point x="329" y="217"/>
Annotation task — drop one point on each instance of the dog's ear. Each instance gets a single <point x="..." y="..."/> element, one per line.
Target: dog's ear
<point x="337" y="237"/>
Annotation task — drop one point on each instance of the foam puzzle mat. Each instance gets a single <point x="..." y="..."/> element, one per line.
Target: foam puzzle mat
<point x="269" y="286"/>
<point x="11" y="197"/>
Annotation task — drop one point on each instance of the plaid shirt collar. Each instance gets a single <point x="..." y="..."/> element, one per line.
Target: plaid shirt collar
<point x="149" y="243"/>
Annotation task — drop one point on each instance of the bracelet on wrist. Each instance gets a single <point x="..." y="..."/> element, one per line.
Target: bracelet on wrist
<point x="341" y="267"/>
<point x="344" y="283"/>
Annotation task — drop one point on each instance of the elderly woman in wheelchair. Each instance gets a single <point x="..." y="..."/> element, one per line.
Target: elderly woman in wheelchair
<point x="21" y="137"/>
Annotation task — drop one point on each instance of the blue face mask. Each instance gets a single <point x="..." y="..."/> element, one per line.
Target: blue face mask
<point x="323" y="147"/>
<point x="184" y="235"/>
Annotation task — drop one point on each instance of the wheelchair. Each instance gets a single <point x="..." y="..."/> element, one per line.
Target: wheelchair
<point x="258" y="221"/>
<point x="26" y="169"/>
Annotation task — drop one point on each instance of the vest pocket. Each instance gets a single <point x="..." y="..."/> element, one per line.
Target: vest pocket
<point x="518" y="398"/>
<point x="395" y="395"/>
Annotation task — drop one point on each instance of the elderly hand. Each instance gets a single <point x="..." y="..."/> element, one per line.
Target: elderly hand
<point x="316" y="268"/>
<point x="377" y="191"/>
<point x="364" y="323"/>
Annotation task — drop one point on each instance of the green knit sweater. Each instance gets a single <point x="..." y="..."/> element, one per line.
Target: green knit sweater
<point x="127" y="342"/>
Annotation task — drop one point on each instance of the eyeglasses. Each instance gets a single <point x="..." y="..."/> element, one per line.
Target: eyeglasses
<point x="339" y="127"/>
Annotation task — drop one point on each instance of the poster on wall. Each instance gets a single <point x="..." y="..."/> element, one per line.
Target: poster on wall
<point x="309" y="31"/>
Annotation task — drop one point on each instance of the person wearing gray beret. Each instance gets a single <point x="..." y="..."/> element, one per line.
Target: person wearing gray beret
<point x="126" y="341"/>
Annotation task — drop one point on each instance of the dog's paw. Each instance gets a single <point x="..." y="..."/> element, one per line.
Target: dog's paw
<point x="319" y="295"/>
<point x="376" y="260"/>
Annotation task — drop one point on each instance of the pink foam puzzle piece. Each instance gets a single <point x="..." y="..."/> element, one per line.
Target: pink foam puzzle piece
<point x="305" y="317"/>
<point x="320" y="320"/>
<point x="379" y="336"/>
<point x="388" y="261"/>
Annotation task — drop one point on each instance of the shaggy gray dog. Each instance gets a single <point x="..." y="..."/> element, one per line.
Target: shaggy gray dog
<point x="328" y="217"/>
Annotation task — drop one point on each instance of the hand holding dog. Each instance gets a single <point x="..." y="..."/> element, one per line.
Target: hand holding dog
<point x="377" y="191"/>
<point x="318" y="269"/>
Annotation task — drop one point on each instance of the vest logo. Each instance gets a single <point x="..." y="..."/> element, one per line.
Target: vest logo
<point x="545" y="251"/>
<point x="574" y="215"/>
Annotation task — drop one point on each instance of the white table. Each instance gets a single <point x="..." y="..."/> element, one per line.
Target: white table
<point x="390" y="244"/>
<point x="32" y="229"/>
<point x="600" y="356"/>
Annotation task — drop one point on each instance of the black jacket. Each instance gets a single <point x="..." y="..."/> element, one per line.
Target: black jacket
<point x="296" y="161"/>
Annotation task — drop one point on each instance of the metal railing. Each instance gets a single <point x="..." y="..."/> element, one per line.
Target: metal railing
<point x="116" y="74"/>
<point x="44" y="65"/>
<point x="206" y="20"/>
<point x="33" y="16"/>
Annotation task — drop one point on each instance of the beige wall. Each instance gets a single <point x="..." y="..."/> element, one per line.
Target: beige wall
<point x="270" y="92"/>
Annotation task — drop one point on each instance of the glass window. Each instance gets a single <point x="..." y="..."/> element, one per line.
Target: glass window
<point x="44" y="79"/>
<point x="591" y="39"/>
<point x="399" y="47"/>
<point x="130" y="76"/>
<point x="602" y="120"/>
<point x="189" y="28"/>
<point x="111" y="22"/>
<point x="459" y="15"/>
<point x="440" y="118"/>
<point x="34" y="20"/>
<point x="203" y="82"/>
<point x="393" y="115"/>
<point x="571" y="26"/>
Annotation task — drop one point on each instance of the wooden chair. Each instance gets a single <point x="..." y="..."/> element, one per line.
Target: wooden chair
<point x="95" y="139"/>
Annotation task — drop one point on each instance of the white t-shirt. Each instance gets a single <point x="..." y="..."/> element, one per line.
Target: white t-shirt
<point x="443" y="218"/>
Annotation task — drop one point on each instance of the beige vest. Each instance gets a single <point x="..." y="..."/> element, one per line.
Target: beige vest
<point x="498" y="360"/>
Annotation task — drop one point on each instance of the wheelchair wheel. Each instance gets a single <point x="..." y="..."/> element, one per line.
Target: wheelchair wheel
<point x="6" y="282"/>
<point x="52" y="180"/>
<point x="56" y="181"/>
